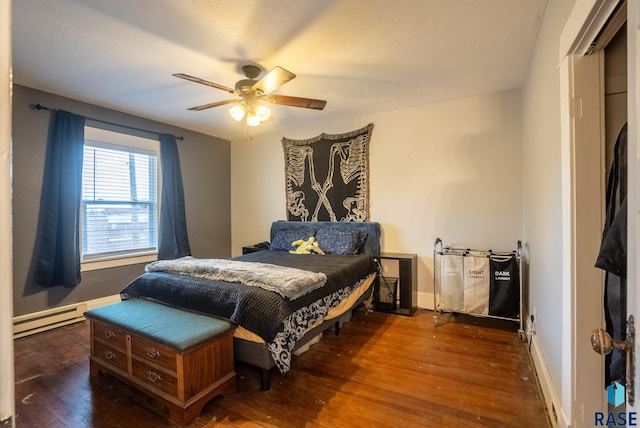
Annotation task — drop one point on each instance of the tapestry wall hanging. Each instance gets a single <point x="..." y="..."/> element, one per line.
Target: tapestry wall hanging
<point x="327" y="177"/>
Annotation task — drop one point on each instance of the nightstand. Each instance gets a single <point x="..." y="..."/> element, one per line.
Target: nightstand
<point x="403" y="290"/>
<point x="261" y="246"/>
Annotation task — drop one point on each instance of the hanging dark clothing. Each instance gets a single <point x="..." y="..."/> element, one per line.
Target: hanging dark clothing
<point x="613" y="250"/>
<point x="613" y="259"/>
<point x="617" y="180"/>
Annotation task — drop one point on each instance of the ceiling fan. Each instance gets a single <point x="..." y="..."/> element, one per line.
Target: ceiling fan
<point x="254" y="95"/>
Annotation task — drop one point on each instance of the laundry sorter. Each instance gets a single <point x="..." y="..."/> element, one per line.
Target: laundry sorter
<point x="485" y="283"/>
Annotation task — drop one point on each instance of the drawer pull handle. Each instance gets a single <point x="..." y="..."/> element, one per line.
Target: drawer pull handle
<point x="109" y="355"/>
<point x="109" y="334"/>
<point x="152" y="352"/>
<point x="153" y="376"/>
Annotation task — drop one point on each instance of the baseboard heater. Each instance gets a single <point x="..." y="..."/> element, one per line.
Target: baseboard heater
<point x="37" y="322"/>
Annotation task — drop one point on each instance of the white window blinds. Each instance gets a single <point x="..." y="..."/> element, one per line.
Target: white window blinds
<point x="119" y="201"/>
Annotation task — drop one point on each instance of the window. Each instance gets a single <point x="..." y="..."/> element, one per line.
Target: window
<point x="120" y="210"/>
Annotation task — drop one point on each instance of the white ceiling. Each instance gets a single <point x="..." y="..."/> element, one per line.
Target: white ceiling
<point x="362" y="56"/>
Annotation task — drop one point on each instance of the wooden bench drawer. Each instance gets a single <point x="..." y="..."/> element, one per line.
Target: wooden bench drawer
<point x="155" y="378"/>
<point x="110" y="334"/>
<point x="110" y="355"/>
<point x="153" y="352"/>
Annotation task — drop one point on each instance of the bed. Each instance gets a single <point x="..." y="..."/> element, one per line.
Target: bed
<point x="274" y="323"/>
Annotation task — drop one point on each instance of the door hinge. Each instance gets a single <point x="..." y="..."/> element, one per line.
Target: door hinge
<point x="577" y="107"/>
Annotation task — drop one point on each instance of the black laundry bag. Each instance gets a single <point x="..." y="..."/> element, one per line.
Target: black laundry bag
<point x="504" y="292"/>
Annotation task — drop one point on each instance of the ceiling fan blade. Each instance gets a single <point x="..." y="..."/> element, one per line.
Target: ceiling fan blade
<point x="271" y="81"/>
<point x="211" y="105"/>
<point x="286" y="100"/>
<point x="204" y="82"/>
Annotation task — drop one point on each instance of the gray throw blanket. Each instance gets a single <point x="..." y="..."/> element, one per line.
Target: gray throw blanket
<point x="288" y="282"/>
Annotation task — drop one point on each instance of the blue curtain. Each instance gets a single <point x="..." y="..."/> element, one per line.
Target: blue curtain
<point x="174" y="242"/>
<point x="58" y="252"/>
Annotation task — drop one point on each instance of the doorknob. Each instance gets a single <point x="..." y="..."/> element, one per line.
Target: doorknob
<point x="603" y="344"/>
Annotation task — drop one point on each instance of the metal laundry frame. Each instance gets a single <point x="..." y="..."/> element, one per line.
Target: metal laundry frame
<point x="440" y="249"/>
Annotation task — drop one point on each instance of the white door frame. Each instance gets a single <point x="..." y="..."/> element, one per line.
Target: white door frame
<point x="582" y="389"/>
<point x="588" y="190"/>
<point x="7" y="386"/>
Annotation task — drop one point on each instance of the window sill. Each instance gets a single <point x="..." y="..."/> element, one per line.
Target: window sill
<point x="111" y="263"/>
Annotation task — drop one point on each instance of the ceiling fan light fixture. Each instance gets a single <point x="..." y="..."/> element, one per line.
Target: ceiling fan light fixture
<point x="263" y="112"/>
<point x="252" y="96"/>
<point x="237" y="112"/>
<point x="253" y="119"/>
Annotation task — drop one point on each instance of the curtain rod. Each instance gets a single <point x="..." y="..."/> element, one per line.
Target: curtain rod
<point x="41" y="107"/>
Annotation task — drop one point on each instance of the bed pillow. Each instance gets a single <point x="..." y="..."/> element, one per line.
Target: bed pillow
<point x="283" y="238"/>
<point x="340" y="241"/>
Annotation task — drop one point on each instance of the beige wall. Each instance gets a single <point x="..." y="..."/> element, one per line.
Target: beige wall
<point x="542" y="190"/>
<point x="450" y="170"/>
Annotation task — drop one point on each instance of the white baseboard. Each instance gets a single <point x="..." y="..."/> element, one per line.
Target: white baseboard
<point x="551" y="397"/>
<point x="37" y="322"/>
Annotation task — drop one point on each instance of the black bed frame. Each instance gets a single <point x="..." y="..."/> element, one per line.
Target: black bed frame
<point x="257" y="354"/>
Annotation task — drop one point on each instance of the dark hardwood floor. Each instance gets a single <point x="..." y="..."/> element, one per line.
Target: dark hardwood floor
<point x="383" y="370"/>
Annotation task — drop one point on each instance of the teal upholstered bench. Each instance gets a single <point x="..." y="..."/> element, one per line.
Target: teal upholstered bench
<point x="182" y="358"/>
